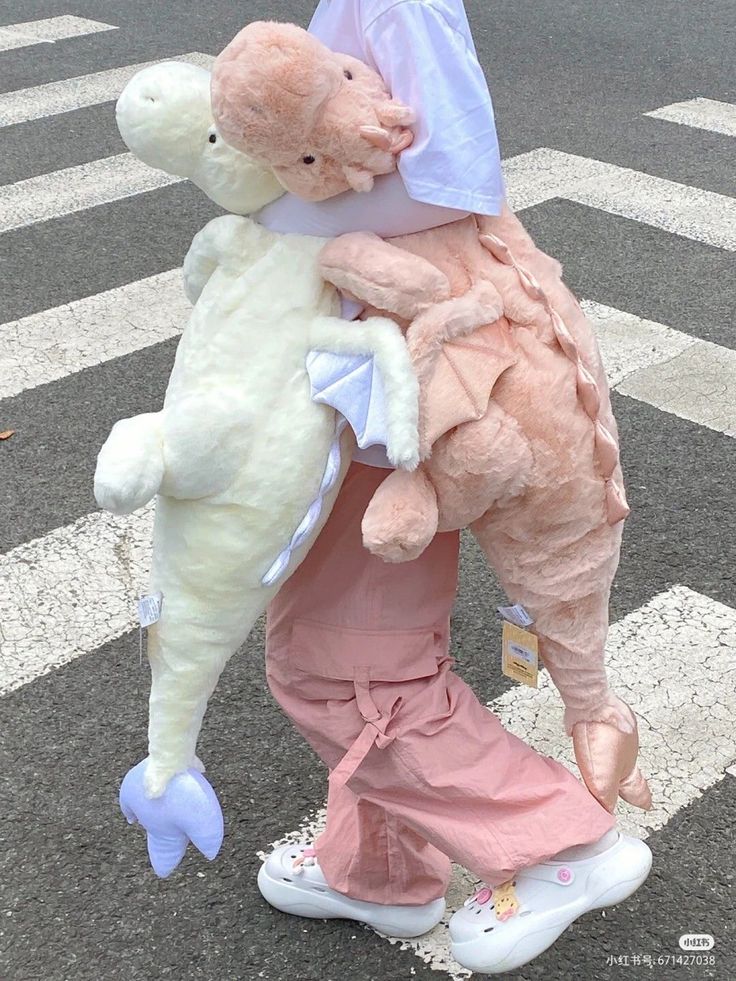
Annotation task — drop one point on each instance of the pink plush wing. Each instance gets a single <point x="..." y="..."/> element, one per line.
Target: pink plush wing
<point x="460" y="385"/>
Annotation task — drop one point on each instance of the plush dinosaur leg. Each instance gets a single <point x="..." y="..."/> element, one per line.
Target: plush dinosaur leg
<point x="409" y="287"/>
<point x="560" y="567"/>
<point x="401" y="519"/>
<point x="477" y="464"/>
<point x="220" y="240"/>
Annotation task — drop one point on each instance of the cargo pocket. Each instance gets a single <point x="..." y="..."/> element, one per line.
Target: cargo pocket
<point x="363" y="657"/>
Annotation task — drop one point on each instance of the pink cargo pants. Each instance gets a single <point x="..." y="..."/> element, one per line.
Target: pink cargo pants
<point x="421" y="772"/>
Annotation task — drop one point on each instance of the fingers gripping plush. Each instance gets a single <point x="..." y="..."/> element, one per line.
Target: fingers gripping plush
<point x="324" y="121"/>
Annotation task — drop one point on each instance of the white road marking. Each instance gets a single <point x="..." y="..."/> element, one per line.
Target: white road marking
<point x="543" y="174"/>
<point x="667" y="368"/>
<point x="532" y="178"/>
<point x="69" y="592"/>
<point x="23" y="105"/>
<point x="699" y="385"/>
<point x="54" y="343"/>
<point x="717" y="117"/>
<point x="672" y="660"/>
<point x="649" y="361"/>
<point x="629" y="343"/>
<point x="63" y="192"/>
<point x="48" y="30"/>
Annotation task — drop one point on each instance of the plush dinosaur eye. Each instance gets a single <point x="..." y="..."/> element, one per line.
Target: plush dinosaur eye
<point x="212" y="138"/>
<point x="309" y="159"/>
<point x="348" y="75"/>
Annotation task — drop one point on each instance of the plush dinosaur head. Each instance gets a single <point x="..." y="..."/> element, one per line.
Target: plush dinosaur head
<point x="165" y="118"/>
<point x="324" y="122"/>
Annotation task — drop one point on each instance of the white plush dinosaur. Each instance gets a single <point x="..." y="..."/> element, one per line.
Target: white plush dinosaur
<point x="245" y="463"/>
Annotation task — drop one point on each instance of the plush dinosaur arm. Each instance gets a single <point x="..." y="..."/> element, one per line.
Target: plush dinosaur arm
<point x="225" y="236"/>
<point x="383" y="276"/>
<point x="457" y="349"/>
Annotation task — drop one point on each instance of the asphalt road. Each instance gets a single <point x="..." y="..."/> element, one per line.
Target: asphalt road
<point x="77" y="900"/>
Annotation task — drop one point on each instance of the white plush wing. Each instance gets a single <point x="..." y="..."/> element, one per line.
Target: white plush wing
<point x="351" y="384"/>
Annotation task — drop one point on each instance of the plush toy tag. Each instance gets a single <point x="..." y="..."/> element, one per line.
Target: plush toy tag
<point x="516" y="614"/>
<point x="520" y="654"/>
<point x="149" y="609"/>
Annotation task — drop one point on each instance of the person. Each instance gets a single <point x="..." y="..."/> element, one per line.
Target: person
<point x="357" y="649"/>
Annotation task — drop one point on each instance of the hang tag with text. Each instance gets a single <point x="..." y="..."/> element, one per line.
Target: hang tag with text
<point x="520" y="655"/>
<point x="149" y="609"/>
<point x="516" y="614"/>
<point x="149" y="612"/>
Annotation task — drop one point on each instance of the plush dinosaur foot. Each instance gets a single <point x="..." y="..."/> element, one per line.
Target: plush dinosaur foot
<point x="395" y="548"/>
<point x="401" y="519"/>
<point x="187" y="810"/>
<point x="606" y="758"/>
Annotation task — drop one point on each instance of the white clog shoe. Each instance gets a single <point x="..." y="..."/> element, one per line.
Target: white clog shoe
<point x="291" y="880"/>
<point x="499" y="929"/>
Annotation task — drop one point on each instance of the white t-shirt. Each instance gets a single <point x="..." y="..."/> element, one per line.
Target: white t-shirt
<point x="424" y="52"/>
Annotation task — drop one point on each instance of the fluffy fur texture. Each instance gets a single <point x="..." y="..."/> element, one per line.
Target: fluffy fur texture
<point x="512" y="450"/>
<point x="324" y="122"/>
<point x="165" y="118"/>
<point x="516" y="426"/>
<point x="238" y="451"/>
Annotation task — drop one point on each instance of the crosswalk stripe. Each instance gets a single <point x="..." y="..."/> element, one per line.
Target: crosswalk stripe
<point x="667" y="368"/>
<point x="48" y="31"/>
<point x="542" y="174"/>
<point x="685" y="701"/>
<point x="39" y="101"/>
<point x="640" y="356"/>
<point x="533" y="178"/>
<point x="629" y="343"/>
<point x="699" y="385"/>
<point x="49" y="345"/>
<point x="69" y="592"/>
<point x="649" y="361"/>
<point x="717" y="117"/>
<point x="64" y="192"/>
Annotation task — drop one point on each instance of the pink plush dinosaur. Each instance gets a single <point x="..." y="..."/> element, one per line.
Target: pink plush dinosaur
<point x="518" y="436"/>
<point x="313" y="143"/>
